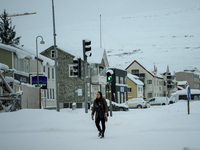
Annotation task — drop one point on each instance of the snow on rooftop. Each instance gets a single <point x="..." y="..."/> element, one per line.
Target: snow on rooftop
<point x="135" y="79"/>
<point x="182" y="82"/>
<point x="23" y="52"/>
<point x="97" y="55"/>
<point x="20" y="52"/>
<point x="46" y="60"/>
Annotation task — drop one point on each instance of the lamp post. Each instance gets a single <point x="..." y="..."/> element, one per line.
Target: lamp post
<point x="41" y="42"/>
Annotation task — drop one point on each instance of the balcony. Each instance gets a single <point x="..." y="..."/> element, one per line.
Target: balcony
<point x="170" y="77"/>
<point x="170" y="86"/>
<point x="96" y="79"/>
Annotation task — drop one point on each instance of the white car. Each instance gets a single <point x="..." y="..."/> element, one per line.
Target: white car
<point x="137" y="103"/>
<point x="159" y="101"/>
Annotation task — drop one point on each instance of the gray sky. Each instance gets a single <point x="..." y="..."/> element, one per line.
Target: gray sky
<point x="74" y="12"/>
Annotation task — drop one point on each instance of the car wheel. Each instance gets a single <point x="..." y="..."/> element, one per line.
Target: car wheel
<point x="163" y="104"/>
<point x="121" y="109"/>
<point x="139" y="106"/>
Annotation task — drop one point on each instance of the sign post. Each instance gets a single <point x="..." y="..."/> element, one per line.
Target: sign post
<point x="189" y="98"/>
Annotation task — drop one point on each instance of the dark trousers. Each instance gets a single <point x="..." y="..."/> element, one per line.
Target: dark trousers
<point x="97" y="122"/>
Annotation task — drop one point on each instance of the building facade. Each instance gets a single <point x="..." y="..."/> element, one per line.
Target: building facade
<point x="153" y="84"/>
<point x="119" y="86"/>
<point x="70" y="87"/>
<point x="135" y="87"/>
<point x="24" y="64"/>
<point x="192" y="79"/>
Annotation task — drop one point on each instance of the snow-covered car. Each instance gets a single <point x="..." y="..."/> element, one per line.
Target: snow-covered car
<point x="182" y="95"/>
<point x="137" y="103"/>
<point x="158" y="101"/>
<point x="116" y="106"/>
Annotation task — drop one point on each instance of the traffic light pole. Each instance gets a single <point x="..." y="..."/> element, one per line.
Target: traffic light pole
<point x="85" y="78"/>
<point x="110" y="98"/>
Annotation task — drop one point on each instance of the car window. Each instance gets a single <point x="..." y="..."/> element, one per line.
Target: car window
<point x="151" y="100"/>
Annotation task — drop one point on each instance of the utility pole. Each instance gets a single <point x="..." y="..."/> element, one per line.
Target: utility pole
<point x="55" y="51"/>
<point x="110" y="98"/>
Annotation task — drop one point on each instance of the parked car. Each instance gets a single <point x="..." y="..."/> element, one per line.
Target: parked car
<point x="182" y="95"/>
<point x="159" y="101"/>
<point x="116" y="106"/>
<point x="137" y="103"/>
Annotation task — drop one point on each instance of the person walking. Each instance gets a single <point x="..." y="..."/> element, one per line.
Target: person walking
<point x="100" y="110"/>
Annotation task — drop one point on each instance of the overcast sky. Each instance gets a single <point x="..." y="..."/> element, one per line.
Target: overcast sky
<point x="74" y="12"/>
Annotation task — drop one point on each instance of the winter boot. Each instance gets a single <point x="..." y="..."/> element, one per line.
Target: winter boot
<point x="102" y="136"/>
<point x="100" y="133"/>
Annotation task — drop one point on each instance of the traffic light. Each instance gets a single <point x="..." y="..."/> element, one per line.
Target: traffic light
<point x="109" y="74"/>
<point x="77" y="67"/>
<point x="109" y="77"/>
<point x="87" y="48"/>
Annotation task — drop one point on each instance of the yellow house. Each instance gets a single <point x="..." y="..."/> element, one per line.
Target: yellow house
<point x="135" y="86"/>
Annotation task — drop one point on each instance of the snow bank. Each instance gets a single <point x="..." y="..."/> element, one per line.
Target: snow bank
<point x="11" y="80"/>
<point x="3" y="67"/>
<point x="157" y="128"/>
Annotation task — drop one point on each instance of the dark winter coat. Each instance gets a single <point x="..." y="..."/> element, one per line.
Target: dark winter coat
<point x="102" y="102"/>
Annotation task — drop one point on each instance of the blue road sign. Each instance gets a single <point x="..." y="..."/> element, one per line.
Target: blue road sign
<point x="188" y="92"/>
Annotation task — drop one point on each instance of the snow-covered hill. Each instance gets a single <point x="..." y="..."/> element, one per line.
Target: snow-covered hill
<point x="162" y="38"/>
<point x="150" y="31"/>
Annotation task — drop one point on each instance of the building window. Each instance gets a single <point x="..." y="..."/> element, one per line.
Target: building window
<point x="121" y="80"/>
<point x="26" y="65"/>
<point x="129" y="89"/>
<point x="135" y="71"/>
<point x="53" y="93"/>
<point x="149" y="81"/>
<point x="43" y="68"/>
<point x="125" y="80"/>
<point x="48" y="72"/>
<point x="16" y="62"/>
<point x="117" y="79"/>
<point x="52" y="73"/>
<point x="50" y="94"/>
<point x="138" y="89"/>
<point x="52" y="54"/>
<point x="149" y="95"/>
<point x="47" y="93"/>
<point x="124" y="96"/>
<point x="71" y="71"/>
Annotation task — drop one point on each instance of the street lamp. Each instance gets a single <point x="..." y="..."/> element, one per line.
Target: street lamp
<point x="41" y="42"/>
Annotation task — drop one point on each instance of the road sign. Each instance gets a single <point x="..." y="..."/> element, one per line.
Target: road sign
<point x="188" y="93"/>
<point x="189" y="97"/>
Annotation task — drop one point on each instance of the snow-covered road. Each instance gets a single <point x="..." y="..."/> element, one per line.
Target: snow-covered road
<point x="157" y="128"/>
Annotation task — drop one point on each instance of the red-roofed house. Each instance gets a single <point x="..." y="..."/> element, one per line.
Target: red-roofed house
<point x="153" y="84"/>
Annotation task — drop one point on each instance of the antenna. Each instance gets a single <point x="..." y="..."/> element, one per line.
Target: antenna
<point x="100" y="34"/>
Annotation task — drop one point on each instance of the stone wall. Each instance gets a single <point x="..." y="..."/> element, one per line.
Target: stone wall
<point x="67" y="85"/>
